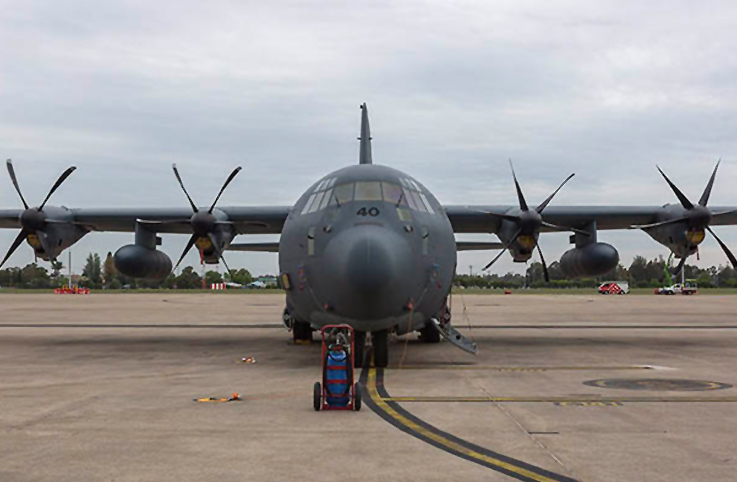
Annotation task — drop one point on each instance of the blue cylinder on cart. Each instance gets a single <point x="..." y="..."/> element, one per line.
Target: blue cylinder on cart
<point x="337" y="378"/>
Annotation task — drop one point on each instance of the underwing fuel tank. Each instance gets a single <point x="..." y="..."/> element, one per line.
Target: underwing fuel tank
<point x="594" y="259"/>
<point x="137" y="261"/>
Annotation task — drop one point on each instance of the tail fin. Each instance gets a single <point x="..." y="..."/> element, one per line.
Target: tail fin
<point x="365" y="149"/>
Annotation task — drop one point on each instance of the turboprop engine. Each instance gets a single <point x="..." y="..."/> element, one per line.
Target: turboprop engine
<point x="594" y="259"/>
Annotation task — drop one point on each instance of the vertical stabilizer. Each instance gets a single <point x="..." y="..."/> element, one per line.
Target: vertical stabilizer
<point x="365" y="149"/>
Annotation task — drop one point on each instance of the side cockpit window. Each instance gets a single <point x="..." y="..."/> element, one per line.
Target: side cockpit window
<point x="321" y="196"/>
<point x="416" y="199"/>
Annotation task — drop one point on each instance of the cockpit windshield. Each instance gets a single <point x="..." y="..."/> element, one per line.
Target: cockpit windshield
<point x="408" y="194"/>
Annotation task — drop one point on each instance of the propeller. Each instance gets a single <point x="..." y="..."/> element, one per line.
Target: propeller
<point x="697" y="218"/>
<point x="529" y="221"/>
<point x="204" y="223"/>
<point x="33" y="221"/>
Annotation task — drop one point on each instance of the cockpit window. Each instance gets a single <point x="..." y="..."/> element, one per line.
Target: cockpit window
<point x="308" y="204"/>
<point x="327" y="193"/>
<point x="393" y="194"/>
<point x="368" y="191"/>
<point x="343" y="194"/>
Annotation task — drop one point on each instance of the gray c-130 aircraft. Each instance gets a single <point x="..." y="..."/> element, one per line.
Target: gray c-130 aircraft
<point x="368" y="245"/>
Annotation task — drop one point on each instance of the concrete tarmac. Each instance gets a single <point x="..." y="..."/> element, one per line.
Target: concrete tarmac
<point x="101" y="388"/>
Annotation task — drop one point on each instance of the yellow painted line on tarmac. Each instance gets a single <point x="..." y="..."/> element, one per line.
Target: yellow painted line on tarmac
<point x="506" y="466"/>
<point x="564" y="399"/>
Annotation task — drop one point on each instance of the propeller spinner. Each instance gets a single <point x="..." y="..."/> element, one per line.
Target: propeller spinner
<point x="33" y="221"/>
<point x="528" y="222"/>
<point x="204" y="223"/>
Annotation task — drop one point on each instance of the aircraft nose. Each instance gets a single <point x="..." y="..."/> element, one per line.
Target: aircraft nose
<point x="367" y="264"/>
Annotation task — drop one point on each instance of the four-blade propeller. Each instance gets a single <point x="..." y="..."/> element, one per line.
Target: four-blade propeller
<point x="697" y="218"/>
<point x="33" y="221"/>
<point x="204" y="223"/>
<point x="529" y="221"/>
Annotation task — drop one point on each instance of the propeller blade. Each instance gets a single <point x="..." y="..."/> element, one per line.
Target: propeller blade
<point x="707" y="191"/>
<point x="724" y="247"/>
<point x="566" y="228"/>
<point x="176" y="173"/>
<point x="681" y="197"/>
<point x="227" y="181"/>
<point x="545" y="266"/>
<point x="44" y="240"/>
<point x="11" y="171"/>
<point x="56" y="185"/>
<point x="218" y="252"/>
<point x="18" y="240"/>
<point x="504" y="249"/>
<point x="680" y="266"/>
<point x="190" y="243"/>
<point x="521" y="197"/>
<point x="545" y="203"/>
<point x="661" y="223"/>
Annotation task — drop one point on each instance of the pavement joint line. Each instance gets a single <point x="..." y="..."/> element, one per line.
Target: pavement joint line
<point x="604" y="327"/>
<point x="279" y="325"/>
<point x="377" y="398"/>
<point x="521" y="369"/>
<point x="433" y="399"/>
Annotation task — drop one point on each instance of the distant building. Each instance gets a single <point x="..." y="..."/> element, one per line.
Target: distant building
<point x="268" y="281"/>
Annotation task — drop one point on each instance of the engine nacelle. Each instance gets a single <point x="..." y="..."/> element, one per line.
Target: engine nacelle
<point x="594" y="259"/>
<point x="136" y="261"/>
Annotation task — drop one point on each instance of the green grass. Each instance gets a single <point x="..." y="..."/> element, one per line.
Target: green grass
<point x="584" y="291"/>
<point x="469" y="291"/>
<point x="150" y="291"/>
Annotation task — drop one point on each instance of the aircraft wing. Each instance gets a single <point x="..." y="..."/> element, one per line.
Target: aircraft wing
<point x="486" y="219"/>
<point x="246" y="220"/>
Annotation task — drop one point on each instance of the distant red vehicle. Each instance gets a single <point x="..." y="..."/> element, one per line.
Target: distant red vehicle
<point x="614" y="288"/>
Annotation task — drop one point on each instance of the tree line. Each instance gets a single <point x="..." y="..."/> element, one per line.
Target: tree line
<point x="98" y="274"/>
<point x="642" y="273"/>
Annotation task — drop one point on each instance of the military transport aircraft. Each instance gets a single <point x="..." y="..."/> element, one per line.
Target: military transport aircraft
<point x="367" y="245"/>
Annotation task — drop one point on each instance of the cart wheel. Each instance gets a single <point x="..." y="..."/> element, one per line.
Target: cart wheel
<point x="356" y="397"/>
<point x="317" y="396"/>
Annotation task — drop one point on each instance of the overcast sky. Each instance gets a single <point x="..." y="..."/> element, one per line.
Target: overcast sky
<point x="602" y="89"/>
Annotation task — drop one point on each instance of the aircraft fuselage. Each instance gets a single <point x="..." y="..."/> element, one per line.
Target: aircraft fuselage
<point x="369" y="246"/>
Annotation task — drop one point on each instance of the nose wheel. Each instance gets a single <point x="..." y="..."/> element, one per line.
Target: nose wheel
<point x="301" y="332"/>
<point x="359" y="345"/>
<point x="380" y="341"/>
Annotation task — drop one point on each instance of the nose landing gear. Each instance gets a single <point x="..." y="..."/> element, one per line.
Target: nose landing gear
<point x="380" y="342"/>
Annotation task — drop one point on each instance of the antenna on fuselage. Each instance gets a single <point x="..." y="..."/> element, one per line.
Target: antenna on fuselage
<point x="364" y="156"/>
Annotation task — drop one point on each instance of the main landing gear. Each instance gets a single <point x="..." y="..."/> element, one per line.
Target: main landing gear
<point x="430" y="333"/>
<point x="301" y="332"/>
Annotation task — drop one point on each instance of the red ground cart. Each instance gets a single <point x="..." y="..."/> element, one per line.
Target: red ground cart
<point x="338" y="390"/>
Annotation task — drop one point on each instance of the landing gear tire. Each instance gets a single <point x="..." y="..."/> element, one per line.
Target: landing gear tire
<point x="360" y="344"/>
<point x="317" y="397"/>
<point x="356" y="397"/>
<point x="380" y="340"/>
<point x="429" y="334"/>
<point x="301" y="332"/>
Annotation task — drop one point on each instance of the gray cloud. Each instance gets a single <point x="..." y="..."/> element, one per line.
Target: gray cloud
<point x="605" y="89"/>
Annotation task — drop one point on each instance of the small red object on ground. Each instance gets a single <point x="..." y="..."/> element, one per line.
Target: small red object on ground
<point x="507" y="292"/>
<point x="71" y="290"/>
